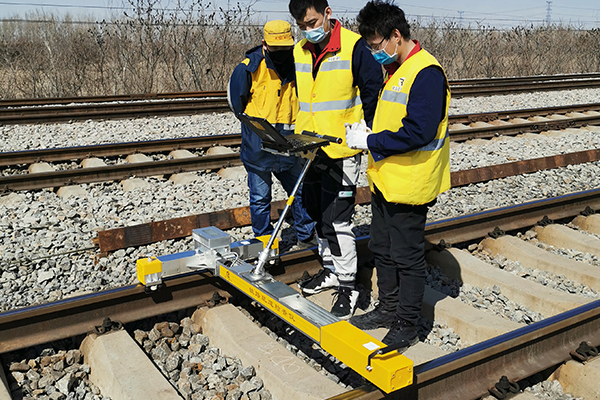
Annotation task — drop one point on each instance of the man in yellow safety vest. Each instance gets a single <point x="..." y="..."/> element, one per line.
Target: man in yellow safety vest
<point x="338" y="82"/>
<point x="263" y="85"/>
<point x="409" y="165"/>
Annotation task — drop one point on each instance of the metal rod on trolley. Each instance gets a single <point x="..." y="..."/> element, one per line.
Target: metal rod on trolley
<point x="259" y="269"/>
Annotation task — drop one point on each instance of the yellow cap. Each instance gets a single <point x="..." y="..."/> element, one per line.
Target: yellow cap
<point x="278" y="33"/>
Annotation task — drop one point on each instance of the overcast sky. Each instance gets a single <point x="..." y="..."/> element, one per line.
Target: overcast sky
<point x="505" y="13"/>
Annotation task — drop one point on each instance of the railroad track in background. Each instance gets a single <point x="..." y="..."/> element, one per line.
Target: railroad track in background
<point x="196" y="103"/>
<point x="462" y="128"/>
<point x="52" y="110"/>
<point x="500" y="86"/>
<point x="493" y="349"/>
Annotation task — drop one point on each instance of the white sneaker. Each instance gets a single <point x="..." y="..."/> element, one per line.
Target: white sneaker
<point x="324" y="279"/>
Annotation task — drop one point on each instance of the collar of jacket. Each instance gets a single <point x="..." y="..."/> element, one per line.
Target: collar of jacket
<point x="334" y="44"/>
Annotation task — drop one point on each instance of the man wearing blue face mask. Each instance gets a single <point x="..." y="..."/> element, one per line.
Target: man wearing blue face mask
<point x="409" y="165"/>
<point x="338" y="82"/>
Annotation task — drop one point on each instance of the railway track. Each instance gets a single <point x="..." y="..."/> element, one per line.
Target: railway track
<point x="30" y="111"/>
<point x="495" y="86"/>
<point x="50" y="114"/>
<point x="544" y="119"/>
<point x="462" y="128"/>
<point x="493" y="347"/>
<point x="490" y="350"/>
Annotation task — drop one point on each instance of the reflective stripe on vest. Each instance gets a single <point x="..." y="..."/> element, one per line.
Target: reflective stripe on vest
<point x="395" y="97"/>
<point x="337" y="105"/>
<point x="416" y="177"/>
<point x="270" y="100"/>
<point x="435" y="144"/>
<point x="330" y="100"/>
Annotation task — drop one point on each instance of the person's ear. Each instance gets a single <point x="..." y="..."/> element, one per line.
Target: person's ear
<point x="397" y="36"/>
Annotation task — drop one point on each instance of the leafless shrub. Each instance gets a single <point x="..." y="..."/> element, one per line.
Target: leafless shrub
<point x="192" y="46"/>
<point x="482" y="51"/>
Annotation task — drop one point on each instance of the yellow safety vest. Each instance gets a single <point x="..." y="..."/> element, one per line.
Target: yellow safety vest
<point x="416" y="177"/>
<point x="269" y="99"/>
<point x="331" y="100"/>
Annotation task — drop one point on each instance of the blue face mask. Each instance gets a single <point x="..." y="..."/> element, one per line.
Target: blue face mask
<point x="315" y="35"/>
<point x="382" y="57"/>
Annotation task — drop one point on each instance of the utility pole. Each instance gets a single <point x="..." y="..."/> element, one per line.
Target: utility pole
<point x="460" y="19"/>
<point x="548" y="12"/>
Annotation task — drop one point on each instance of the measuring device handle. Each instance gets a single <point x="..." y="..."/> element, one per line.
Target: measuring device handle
<point x="331" y="139"/>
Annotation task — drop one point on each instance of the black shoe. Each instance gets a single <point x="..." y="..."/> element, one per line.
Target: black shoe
<point x="402" y="334"/>
<point x="345" y="302"/>
<point x="378" y="318"/>
<point x="324" y="279"/>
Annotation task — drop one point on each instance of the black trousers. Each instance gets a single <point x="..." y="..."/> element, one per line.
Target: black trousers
<point x="398" y="245"/>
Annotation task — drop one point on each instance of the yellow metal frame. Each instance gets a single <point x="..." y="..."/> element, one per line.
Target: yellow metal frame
<point x="389" y="372"/>
<point x="352" y="346"/>
<point x="347" y="343"/>
<point x="147" y="266"/>
<point x="265" y="241"/>
<point x="268" y="302"/>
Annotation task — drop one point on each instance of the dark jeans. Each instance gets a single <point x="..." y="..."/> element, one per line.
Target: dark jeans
<point x="259" y="183"/>
<point x="398" y="244"/>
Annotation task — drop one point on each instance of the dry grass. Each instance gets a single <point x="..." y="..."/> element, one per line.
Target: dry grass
<point x="152" y="51"/>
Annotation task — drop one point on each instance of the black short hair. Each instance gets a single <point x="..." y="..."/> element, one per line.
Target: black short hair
<point x="382" y="17"/>
<point x="298" y="8"/>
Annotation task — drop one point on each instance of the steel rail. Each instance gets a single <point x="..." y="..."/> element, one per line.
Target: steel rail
<point x="469" y="373"/>
<point x="119" y="149"/>
<point x="116" y="172"/>
<point x="31" y="326"/>
<point x="110" y="98"/>
<point x="112" y="111"/>
<point x="27" y="327"/>
<point x="523" y="113"/>
<point x="491" y="131"/>
<point x="481" y="223"/>
<point x="100" y="110"/>
<point x="223" y="93"/>
<point x="522" y="79"/>
<point x="502" y="89"/>
<point x="123" y="171"/>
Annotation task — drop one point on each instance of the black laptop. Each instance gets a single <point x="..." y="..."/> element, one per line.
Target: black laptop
<point x="273" y="140"/>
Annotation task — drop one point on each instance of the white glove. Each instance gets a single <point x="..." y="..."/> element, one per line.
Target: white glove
<point x="356" y="135"/>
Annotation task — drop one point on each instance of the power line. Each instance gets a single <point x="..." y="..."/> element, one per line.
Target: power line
<point x="488" y="17"/>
